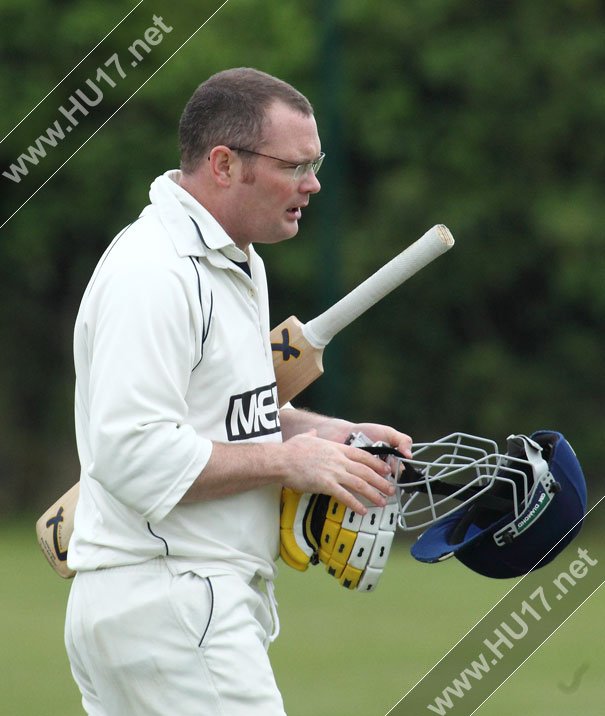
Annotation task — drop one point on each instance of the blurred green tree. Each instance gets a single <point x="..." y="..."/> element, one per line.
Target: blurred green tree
<point x="487" y="117"/>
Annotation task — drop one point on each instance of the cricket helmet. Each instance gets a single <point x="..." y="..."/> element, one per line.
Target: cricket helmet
<point x="502" y="515"/>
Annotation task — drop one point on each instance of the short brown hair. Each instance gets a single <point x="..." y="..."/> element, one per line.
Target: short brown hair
<point x="230" y="108"/>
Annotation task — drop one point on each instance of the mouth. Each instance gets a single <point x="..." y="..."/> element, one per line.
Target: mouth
<point x="295" y="212"/>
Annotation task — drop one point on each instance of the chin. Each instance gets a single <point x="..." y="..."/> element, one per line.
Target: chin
<point x="291" y="230"/>
<point x="278" y="236"/>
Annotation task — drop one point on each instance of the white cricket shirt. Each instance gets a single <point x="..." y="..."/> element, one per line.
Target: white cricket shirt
<point x="172" y="351"/>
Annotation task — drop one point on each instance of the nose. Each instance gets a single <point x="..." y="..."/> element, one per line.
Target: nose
<point x="309" y="183"/>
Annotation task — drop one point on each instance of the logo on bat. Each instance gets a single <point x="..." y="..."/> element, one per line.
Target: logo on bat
<point x="55" y="522"/>
<point x="286" y="349"/>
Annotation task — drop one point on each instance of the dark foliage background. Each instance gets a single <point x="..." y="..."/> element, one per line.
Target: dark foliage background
<point x="488" y="117"/>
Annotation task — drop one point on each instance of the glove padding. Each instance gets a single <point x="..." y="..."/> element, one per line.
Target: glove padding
<point x="318" y="528"/>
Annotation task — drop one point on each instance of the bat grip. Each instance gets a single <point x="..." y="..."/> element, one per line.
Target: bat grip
<point x="320" y="331"/>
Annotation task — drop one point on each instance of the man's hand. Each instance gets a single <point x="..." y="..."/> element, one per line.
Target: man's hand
<point x="296" y="421"/>
<point x="322" y="466"/>
<point x="339" y="430"/>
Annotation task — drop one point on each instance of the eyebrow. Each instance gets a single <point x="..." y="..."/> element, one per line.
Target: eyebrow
<point x="306" y="161"/>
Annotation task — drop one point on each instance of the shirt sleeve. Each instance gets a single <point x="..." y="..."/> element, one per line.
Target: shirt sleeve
<point x="140" y="328"/>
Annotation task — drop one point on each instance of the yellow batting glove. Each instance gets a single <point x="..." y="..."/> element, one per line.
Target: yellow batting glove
<point x="318" y="528"/>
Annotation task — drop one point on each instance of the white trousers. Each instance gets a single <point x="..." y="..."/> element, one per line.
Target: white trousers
<point x="144" y="642"/>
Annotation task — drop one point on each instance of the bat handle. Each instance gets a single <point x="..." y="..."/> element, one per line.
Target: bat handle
<point x="320" y="331"/>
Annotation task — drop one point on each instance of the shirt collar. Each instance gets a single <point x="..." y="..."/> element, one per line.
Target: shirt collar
<point x="177" y="209"/>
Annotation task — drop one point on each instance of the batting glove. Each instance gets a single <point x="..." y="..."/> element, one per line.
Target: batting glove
<point x="354" y="548"/>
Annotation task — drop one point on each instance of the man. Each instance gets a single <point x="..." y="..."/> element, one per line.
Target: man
<point x="177" y="527"/>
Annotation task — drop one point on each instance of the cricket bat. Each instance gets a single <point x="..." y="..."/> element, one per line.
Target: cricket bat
<point x="297" y="357"/>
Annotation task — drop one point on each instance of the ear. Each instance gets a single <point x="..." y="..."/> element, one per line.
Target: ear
<point x="222" y="161"/>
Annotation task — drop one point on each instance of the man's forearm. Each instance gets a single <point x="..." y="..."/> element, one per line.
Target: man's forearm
<point x="305" y="463"/>
<point x="237" y="468"/>
<point x="295" y="421"/>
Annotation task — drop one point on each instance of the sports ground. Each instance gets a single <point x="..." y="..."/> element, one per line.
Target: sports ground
<point x="340" y="653"/>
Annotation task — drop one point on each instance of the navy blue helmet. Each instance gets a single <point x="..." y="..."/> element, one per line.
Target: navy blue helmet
<point x="502" y="515"/>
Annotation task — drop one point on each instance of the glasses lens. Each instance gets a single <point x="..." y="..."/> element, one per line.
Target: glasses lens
<point x="318" y="162"/>
<point x="314" y="166"/>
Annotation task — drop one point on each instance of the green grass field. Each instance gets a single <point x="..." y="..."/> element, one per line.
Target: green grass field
<point x="340" y="653"/>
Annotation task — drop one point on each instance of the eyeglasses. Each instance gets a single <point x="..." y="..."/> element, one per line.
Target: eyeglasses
<point x="299" y="170"/>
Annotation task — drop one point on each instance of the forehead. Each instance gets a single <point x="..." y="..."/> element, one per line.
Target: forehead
<point x="288" y="130"/>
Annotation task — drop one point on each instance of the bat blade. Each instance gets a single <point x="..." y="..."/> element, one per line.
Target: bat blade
<point x="297" y="358"/>
<point x="297" y="362"/>
<point x="54" y="529"/>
